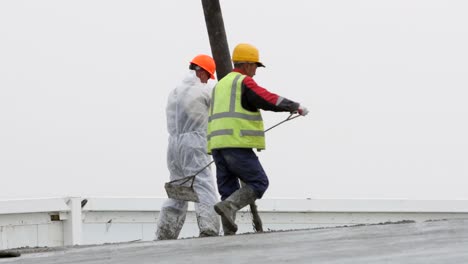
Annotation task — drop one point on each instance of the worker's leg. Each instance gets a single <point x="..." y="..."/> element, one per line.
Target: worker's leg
<point x="192" y="158"/>
<point x="173" y="212"/>
<point x="233" y="164"/>
<point x="171" y="219"/>
<point x="227" y="184"/>
<point x="227" y="181"/>
<point x="207" y="219"/>
<point x="242" y="164"/>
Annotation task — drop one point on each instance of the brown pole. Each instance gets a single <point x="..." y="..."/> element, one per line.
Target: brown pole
<point x="217" y="35"/>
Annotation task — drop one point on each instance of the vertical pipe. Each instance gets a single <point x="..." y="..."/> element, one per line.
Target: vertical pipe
<point x="217" y="35"/>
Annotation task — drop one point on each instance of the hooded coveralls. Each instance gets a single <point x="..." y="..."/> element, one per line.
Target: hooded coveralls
<point x="187" y="117"/>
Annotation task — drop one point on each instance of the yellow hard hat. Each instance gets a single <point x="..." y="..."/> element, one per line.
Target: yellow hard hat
<point x="246" y="53"/>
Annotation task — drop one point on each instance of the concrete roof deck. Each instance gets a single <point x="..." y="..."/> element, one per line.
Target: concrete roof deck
<point x="444" y="241"/>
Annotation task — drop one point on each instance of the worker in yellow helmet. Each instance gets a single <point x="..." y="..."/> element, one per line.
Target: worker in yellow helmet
<point x="235" y="127"/>
<point x="187" y="117"/>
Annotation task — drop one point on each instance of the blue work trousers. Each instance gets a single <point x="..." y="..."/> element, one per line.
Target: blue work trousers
<point x="234" y="164"/>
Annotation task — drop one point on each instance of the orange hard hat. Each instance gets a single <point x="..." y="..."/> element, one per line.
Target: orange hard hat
<point x="205" y="62"/>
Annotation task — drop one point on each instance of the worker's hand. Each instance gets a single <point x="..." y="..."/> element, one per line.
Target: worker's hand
<point x="302" y="110"/>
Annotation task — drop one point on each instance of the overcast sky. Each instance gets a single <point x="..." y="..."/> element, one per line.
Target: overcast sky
<point x="83" y="88"/>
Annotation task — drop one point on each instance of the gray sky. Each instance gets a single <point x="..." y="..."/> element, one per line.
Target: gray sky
<point x="83" y="88"/>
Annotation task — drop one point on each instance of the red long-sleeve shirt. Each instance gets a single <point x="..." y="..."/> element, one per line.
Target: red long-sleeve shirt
<point x="255" y="97"/>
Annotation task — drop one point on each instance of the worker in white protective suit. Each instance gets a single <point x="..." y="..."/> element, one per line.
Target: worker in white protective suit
<point x="187" y="117"/>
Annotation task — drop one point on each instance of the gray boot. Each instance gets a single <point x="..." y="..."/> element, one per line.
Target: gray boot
<point x="228" y="208"/>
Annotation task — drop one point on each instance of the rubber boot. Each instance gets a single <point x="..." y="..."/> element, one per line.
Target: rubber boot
<point x="228" y="208"/>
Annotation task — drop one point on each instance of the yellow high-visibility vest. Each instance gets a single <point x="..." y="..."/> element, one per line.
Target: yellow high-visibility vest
<point x="229" y="124"/>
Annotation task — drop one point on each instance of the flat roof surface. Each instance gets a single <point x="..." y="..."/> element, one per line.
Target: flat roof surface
<point x="444" y="241"/>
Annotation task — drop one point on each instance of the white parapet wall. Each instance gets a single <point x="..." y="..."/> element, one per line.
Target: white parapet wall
<point x="54" y="222"/>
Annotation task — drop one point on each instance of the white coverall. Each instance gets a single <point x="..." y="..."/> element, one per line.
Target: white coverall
<point x="187" y="117"/>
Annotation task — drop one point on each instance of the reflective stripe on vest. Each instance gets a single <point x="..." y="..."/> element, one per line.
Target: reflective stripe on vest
<point x="229" y="124"/>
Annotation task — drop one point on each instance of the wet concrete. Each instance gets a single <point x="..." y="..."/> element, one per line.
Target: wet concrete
<point x="181" y="192"/>
<point x="428" y="242"/>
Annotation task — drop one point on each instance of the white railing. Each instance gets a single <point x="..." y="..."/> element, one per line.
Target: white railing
<point x="52" y="222"/>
